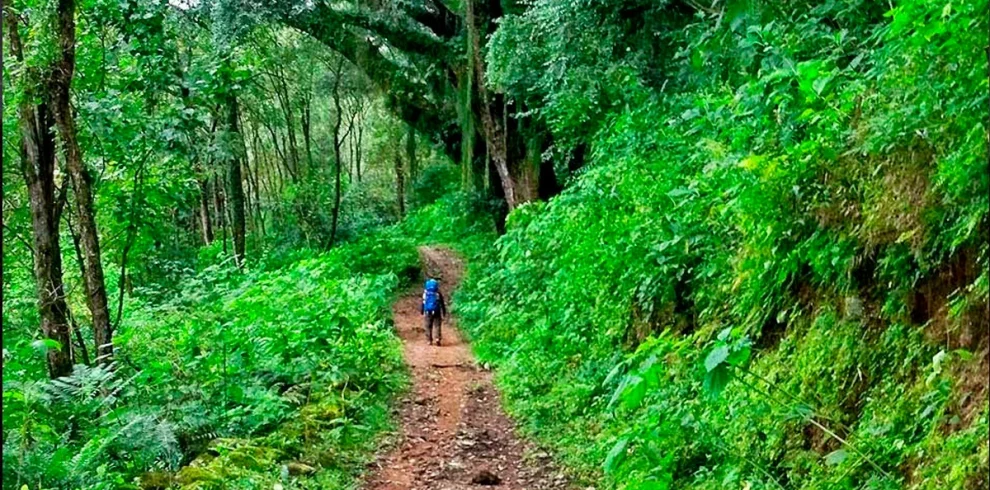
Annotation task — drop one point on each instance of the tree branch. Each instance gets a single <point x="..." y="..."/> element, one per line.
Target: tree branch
<point x="430" y="115"/>
<point x="436" y="16"/>
<point x="63" y="192"/>
<point x="402" y="33"/>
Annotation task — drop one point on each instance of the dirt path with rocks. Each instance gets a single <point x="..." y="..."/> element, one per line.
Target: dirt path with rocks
<point x="454" y="434"/>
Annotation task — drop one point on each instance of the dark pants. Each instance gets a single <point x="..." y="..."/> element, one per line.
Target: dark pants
<point x="431" y="319"/>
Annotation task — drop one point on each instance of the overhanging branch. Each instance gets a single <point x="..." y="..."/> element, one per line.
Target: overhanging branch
<point x="419" y="104"/>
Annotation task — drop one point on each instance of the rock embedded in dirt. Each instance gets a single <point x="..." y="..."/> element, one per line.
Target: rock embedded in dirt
<point x="485" y="477"/>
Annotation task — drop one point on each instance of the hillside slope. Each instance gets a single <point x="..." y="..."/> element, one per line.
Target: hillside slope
<point x="773" y="271"/>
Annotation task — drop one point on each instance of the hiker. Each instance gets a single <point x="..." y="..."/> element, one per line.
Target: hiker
<point x="433" y="309"/>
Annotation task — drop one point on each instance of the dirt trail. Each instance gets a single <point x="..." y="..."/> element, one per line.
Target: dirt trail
<point x="454" y="434"/>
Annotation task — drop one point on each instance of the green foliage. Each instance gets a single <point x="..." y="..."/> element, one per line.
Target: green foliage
<point x="456" y="218"/>
<point x="289" y="359"/>
<point x="770" y="273"/>
<point x="571" y="62"/>
<point x="433" y="183"/>
<point x="760" y="279"/>
<point x="243" y="371"/>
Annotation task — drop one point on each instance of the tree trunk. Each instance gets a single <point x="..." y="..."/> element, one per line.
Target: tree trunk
<point x="465" y="110"/>
<point x="351" y="149"/>
<point x="350" y="157"/>
<point x="491" y="122"/>
<point x="219" y="206"/>
<point x="411" y="153"/>
<point x="285" y="101"/>
<point x="357" y="153"/>
<point x="132" y="230"/>
<point x="400" y="184"/>
<point x="250" y="223"/>
<point x="519" y="179"/>
<point x="235" y="182"/>
<point x="335" y="218"/>
<point x="307" y="137"/>
<point x="38" y="168"/>
<point x="499" y="154"/>
<point x="205" y="220"/>
<point x="517" y="162"/>
<point x="80" y="343"/>
<point x="281" y="156"/>
<point x="337" y="142"/>
<point x="252" y="177"/>
<point x="81" y="180"/>
<point x="351" y="137"/>
<point x="82" y="267"/>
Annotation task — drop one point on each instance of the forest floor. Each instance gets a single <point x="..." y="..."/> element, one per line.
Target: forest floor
<point x="454" y="434"/>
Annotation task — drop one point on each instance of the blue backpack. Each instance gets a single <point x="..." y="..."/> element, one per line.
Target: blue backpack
<point x="431" y="297"/>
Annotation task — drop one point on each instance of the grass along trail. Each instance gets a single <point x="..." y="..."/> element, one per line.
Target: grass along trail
<point x="453" y="433"/>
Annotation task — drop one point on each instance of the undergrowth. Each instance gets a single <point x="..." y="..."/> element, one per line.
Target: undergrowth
<point x="772" y="276"/>
<point x="281" y="373"/>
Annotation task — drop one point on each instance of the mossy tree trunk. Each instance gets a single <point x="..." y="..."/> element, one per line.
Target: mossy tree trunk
<point x="38" y="169"/>
<point x="81" y="180"/>
<point x="235" y="180"/>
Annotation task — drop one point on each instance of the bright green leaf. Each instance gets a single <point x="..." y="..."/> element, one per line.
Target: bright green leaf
<point x="716" y="357"/>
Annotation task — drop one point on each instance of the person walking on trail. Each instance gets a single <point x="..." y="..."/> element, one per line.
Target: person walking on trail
<point x="433" y="309"/>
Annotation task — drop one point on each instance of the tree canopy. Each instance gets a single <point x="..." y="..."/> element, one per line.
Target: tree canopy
<point x="709" y="244"/>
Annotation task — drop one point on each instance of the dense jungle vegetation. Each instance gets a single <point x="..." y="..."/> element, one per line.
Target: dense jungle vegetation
<point x="710" y="243"/>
